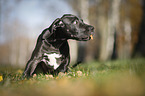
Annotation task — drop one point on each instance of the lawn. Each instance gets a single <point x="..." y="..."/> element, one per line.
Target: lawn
<point x="110" y="78"/>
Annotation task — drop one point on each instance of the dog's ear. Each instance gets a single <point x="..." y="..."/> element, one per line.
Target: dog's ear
<point x="67" y="18"/>
<point x="57" y="23"/>
<point x="46" y="34"/>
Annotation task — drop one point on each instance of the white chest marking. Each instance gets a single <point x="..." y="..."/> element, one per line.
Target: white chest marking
<point x="52" y="59"/>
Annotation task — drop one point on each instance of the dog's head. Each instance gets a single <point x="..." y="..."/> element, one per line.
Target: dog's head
<point x="74" y="28"/>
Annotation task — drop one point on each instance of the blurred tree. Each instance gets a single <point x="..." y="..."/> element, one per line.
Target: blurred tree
<point x="127" y="35"/>
<point x="140" y="46"/>
<point x="84" y="12"/>
<point x="118" y="23"/>
<point x="15" y="50"/>
<point x="110" y="22"/>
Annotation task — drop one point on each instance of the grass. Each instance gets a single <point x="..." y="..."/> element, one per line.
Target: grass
<point x="111" y="78"/>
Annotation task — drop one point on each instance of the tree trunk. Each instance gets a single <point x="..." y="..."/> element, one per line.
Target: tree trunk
<point x="140" y="47"/>
<point x="108" y="29"/>
<point x="84" y="9"/>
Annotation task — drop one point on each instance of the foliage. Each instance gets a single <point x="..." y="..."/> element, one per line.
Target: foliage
<point x="110" y="78"/>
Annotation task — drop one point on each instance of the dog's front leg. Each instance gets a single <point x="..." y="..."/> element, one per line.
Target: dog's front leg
<point x="33" y="67"/>
<point x="30" y="68"/>
<point x="64" y="66"/>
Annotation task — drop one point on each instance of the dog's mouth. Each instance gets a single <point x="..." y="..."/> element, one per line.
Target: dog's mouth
<point x="87" y="38"/>
<point x="82" y="38"/>
<point x="91" y="37"/>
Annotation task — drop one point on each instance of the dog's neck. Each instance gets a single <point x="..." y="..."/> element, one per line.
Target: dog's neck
<point x="57" y="38"/>
<point x="57" y="44"/>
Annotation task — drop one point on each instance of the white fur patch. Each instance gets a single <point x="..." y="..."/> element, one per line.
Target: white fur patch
<point x="52" y="59"/>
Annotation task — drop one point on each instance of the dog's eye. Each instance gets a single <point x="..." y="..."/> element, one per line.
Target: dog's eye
<point x="75" y="22"/>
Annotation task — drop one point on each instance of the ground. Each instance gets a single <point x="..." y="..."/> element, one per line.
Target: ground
<point x="110" y="78"/>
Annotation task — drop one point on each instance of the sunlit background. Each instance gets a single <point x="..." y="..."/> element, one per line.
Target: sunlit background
<point x="119" y="28"/>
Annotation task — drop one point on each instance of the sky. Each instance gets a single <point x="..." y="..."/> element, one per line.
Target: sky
<point x="34" y="14"/>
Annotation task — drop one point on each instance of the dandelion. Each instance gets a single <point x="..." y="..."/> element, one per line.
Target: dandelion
<point x="34" y="75"/>
<point x="49" y="76"/>
<point x="1" y="78"/>
<point x="79" y="73"/>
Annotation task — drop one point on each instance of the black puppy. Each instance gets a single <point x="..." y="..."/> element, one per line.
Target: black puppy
<point x="51" y="54"/>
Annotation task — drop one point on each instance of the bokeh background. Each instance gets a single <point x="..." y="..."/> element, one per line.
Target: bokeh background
<point x="119" y="28"/>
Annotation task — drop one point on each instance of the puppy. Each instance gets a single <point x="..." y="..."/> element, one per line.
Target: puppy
<point x="51" y="54"/>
